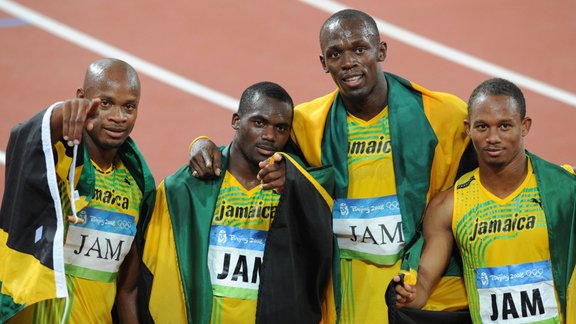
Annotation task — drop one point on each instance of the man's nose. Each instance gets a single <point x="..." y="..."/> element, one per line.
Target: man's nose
<point x="117" y="114"/>
<point x="493" y="136"/>
<point x="269" y="133"/>
<point x="349" y="60"/>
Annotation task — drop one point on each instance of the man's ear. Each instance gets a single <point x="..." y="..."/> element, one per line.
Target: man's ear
<point x="323" y="62"/>
<point x="382" y="49"/>
<point x="80" y="93"/>
<point x="235" y="121"/>
<point x="526" y="124"/>
<point x="467" y="126"/>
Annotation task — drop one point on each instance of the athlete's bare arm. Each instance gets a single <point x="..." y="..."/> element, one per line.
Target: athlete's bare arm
<point x="127" y="287"/>
<point x="438" y="243"/>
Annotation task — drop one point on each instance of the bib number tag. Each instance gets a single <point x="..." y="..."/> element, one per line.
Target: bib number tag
<point x="369" y="229"/>
<point x="235" y="258"/>
<point x="522" y="293"/>
<point x="96" y="249"/>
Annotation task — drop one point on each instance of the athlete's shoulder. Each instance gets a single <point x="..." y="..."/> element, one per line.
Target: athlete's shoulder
<point x="569" y="168"/>
<point x="465" y="180"/>
<point x="309" y="121"/>
<point x="445" y="111"/>
<point x="179" y="179"/>
<point x="313" y="105"/>
<point x="551" y="169"/>
<point x="436" y="97"/>
<point x="446" y="105"/>
<point x="443" y="199"/>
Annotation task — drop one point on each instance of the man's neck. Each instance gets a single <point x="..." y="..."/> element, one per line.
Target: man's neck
<point x="503" y="181"/>
<point x="367" y="108"/>
<point x="243" y="170"/>
<point x="103" y="158"/>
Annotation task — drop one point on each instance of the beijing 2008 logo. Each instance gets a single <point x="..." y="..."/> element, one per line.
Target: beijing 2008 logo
<point x="122" y="224"/>
<point x="222" y="236"/>
<point x="484" y="278"/>
<point x="392" y="204"/>
<point x="343" y="209"/>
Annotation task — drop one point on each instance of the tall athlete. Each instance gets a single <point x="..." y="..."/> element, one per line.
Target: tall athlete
<point x="75" y="186"/>
<point x="513" y="220"/>
<point x="228" y="251"/>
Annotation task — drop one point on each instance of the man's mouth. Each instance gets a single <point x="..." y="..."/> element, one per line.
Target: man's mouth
<point x="265" y="150"/>
<point x="115" y="132"/>
<point x="353" y="80"/>
<point x="493" y="152"/>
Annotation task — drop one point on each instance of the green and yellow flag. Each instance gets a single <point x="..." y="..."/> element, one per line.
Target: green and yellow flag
<point x="31" y="217"/>
<point x="297" y="257"/>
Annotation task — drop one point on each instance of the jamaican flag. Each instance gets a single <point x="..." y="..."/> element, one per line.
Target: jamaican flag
<point x="31" y="222"/>
<point x="31" y="217"/>
<point x="297" y="258"/>
<point x="558" y="191"/>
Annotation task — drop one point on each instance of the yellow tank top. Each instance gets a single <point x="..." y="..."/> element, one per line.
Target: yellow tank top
<point x="238" y="233"/>
<point x="368" y="224"/>
<point x="505" y="252"/>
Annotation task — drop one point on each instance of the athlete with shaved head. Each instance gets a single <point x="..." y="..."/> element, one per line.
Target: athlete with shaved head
<point x="75" y="190"/>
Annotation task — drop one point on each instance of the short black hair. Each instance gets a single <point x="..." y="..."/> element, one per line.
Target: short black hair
<point x="267" y="89"/>
<point x="497" y="87"/>
<point x="350" y="14"/>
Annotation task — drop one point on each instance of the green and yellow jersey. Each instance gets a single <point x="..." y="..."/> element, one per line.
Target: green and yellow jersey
<point x="240" y="224"/>
<point x="367" y="223"/>
<point x="206" y="238"/>
<point x="505" y="252"/>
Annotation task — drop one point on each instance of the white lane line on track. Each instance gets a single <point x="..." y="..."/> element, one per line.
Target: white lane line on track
<point x="156" y="72"/>
<point x="455" y="56"/>
<point x="95" y="45"/>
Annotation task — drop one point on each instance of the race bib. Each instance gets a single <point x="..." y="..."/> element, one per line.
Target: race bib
<point x="235" y="258"/>
<point x="96" y="249"/>
<point x="522" y="293"/>
<point x="369" y="229"/>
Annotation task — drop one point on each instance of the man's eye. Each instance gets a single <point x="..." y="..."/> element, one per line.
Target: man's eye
<point x="105" y="103"/>
<point x="335" y="54"/>
<point x="360" y="50"/>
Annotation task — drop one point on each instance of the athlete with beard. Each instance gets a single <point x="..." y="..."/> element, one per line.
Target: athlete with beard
<point x="513" y="220"/>
<point x="75" y="189"/>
